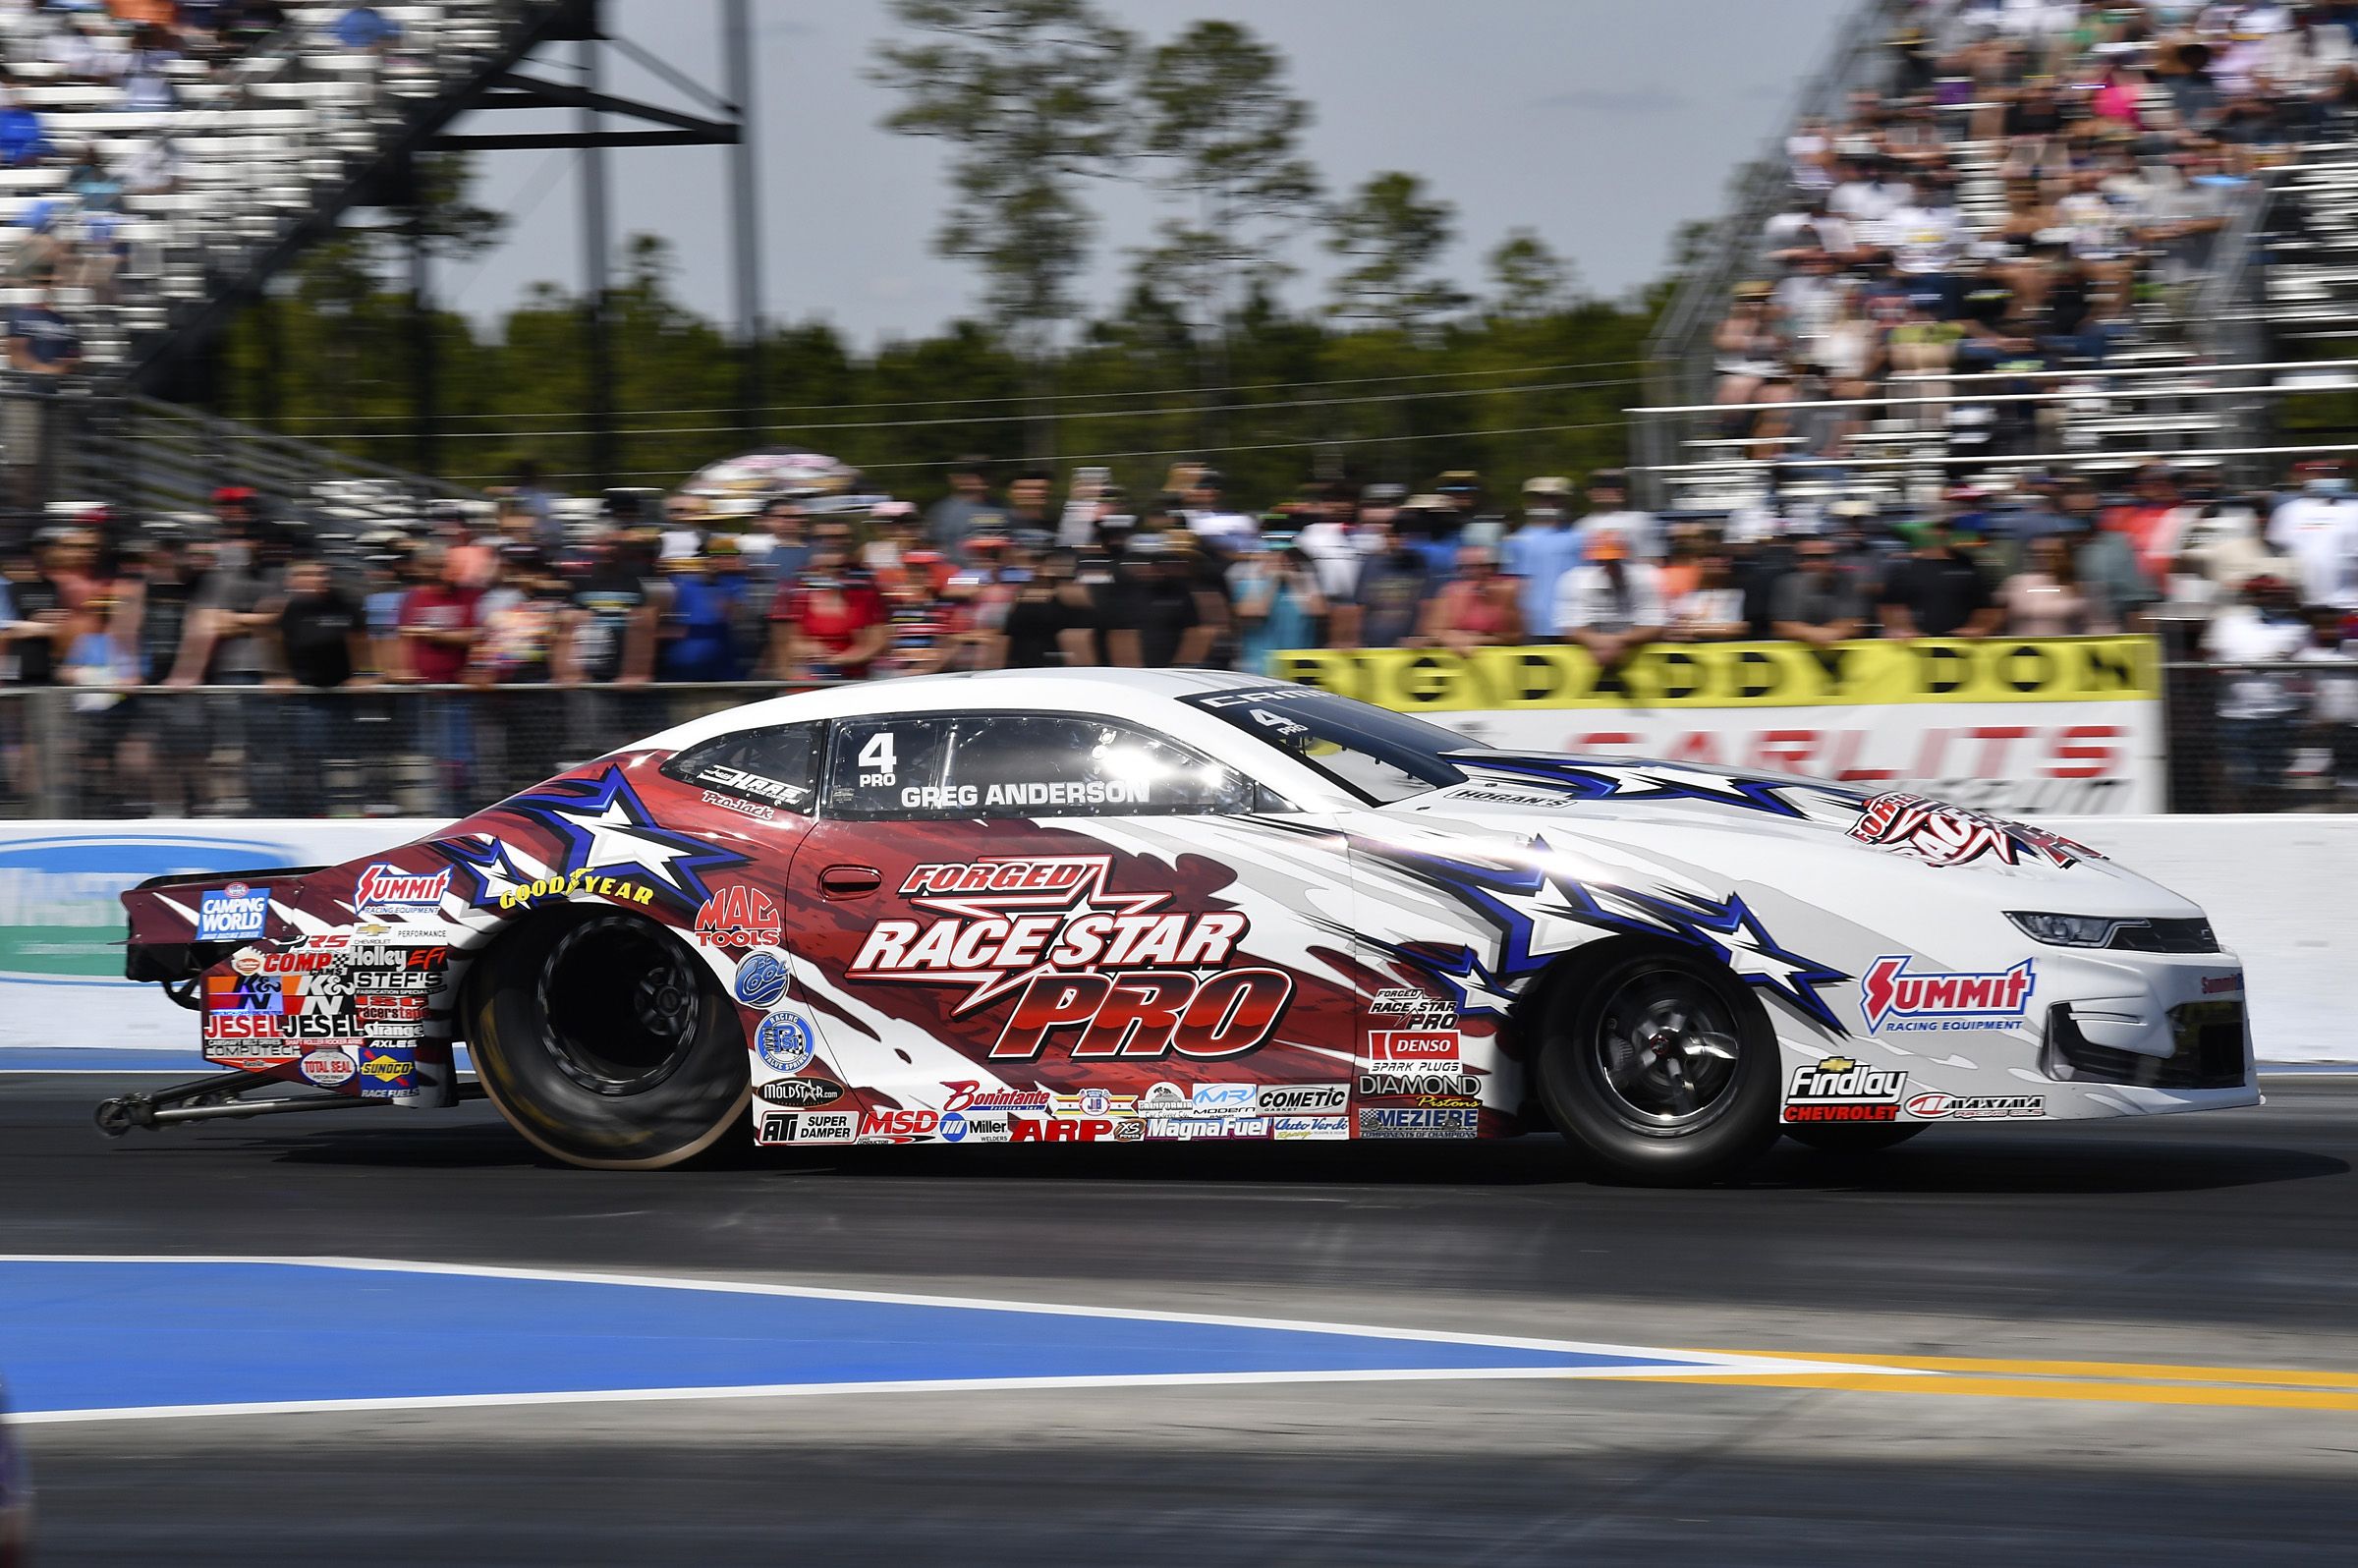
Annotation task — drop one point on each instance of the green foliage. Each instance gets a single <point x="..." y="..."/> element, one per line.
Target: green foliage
<point x="1393" y="237"/>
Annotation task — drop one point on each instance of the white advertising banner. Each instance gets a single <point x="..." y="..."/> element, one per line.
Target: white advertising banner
<point x="61" y="923"/>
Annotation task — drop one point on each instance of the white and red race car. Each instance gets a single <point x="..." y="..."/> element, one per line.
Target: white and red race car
<point x="1138" y="906"/>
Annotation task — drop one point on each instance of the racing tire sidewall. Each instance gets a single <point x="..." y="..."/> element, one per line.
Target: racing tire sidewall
<point x="1574" y="1096"/>
<point x="689" y="1112"/>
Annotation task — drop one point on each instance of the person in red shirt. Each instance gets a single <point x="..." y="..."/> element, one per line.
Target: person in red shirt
<point x="2152" y="521"/>
<point x="831" y="623"/>
<point x="440" y="621"/>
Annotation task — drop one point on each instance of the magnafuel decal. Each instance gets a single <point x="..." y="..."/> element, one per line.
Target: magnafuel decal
<point x="1104" y="972"/>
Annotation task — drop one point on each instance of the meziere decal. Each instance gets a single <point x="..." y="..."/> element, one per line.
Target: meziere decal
<point x="1114" y="973"/>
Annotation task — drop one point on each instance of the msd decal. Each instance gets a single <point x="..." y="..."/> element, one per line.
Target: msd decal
<point x="1113" y="973"/>
<point x="388" y="892"/>
<point x="1941" y="834"/>
<point x="1893" y="999"/>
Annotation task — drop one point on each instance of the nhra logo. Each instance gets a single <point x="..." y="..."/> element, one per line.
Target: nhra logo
<point x="1941" y="834"/>
<point x="1839" y="1088"/>
<point x="1130" y="976"/>
<point x="738" y="917"/>
<point x="385" y="889"/>
<point x="1887" y="991"/>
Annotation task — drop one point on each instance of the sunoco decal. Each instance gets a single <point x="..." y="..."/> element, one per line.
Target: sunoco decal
<point x="1895" y="998"/>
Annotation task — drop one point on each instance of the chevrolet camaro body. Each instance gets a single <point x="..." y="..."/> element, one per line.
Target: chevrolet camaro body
<point x="1131" y="905"/>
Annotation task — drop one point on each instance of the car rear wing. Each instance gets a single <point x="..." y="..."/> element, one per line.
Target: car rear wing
<point x="168" y="940"/>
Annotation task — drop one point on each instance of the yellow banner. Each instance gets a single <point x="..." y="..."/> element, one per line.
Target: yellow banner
<point x="2054" y="669"/>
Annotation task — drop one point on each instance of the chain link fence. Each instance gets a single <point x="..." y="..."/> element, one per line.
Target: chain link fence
<point x="2241" y="738"/>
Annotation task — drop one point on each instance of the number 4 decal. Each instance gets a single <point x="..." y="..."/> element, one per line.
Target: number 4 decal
<point x="876" y="757"/>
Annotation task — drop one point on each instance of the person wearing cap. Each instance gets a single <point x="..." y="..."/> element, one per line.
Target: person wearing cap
<point x="2318" y="528"/>
<point x="1816" y="603"/>
<point x="1609" y="511"/>
<point x="1540" y="552"/>
<point x="2151" y="520"/>
<point x="1477" y="608"/>
<point x="1612" y="606"/>
<point x="1461" y="490"/>
<point x="966" y="511"/>
<point x="2255" y="707"/>
<point x="1276" y="599"/>
<point x="1938" y="589"/>
<point x="1213" y="519"/>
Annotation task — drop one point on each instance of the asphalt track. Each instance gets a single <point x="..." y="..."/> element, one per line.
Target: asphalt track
<point x="2128" y="1342"/>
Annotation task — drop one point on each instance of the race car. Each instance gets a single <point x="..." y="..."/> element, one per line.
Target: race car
<point x="1127" y="905"/>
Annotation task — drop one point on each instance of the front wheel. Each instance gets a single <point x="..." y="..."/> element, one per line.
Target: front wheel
<point x="606" y="1043"/>
<point x="1663" y="1070"/>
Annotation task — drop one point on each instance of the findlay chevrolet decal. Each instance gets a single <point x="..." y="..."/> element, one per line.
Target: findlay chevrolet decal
<point x="1134" y="978"/>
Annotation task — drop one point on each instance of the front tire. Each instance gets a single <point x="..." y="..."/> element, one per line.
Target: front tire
<point x="607" y="1043"/>
<point x="1662" y="1069"/>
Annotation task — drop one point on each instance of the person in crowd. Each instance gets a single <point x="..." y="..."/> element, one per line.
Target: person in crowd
<point x="1611" y="606"/>
<point x="1278" y="601"/>
<point x="966" y="511"/>
<point x="153" y="619"/>
<point x="1156" y="614"/>
<point x="1816" y="603"/>
<point x="1538" y="554"/>
<point x="1609" y="509"/>
<point x="1049" y="623"/>
<point x="319" y="639"/>
<point x="1713" y="610"/>
<point x="441" y="622"/>
<point x="1215" y="524"/>
<point x="2257" y="707"/>
<point x="1478" y="607"/>
<point x="44" y="349"/>
<point x="2318" y="529"/>
<point x="2104" y="559"/>
<point x="693" y="637"/>
<point x="833" y="623"/>
<point x="527" y="618"/>
<point x="1029" y="520"/>
<point x="2150" y="520"/>
<point x="1938" y="589"/>
<point x="1394" y="581"/>
<point x="2045" y="598"/>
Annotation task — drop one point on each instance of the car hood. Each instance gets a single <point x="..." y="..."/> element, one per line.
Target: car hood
<point x="1813" y="840"/>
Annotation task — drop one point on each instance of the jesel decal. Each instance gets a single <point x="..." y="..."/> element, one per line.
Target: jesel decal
<point x="1116" y="973"/>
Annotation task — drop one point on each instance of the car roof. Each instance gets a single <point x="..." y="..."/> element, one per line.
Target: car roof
<point x="1108" y="690"/>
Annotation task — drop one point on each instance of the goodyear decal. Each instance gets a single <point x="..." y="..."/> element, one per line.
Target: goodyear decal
<point x="2054" y="669"/>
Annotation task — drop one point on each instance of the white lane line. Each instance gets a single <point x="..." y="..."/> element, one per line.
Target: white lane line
<point x="1710" y="1359"/>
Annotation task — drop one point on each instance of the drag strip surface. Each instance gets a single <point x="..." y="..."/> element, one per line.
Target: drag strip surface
<point x="2148" y="1330"/>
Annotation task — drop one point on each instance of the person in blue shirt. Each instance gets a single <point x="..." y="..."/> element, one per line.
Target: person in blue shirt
<point x="1279" y="605"/>
<point x="1541" y="553"/>
<point x="696" y="643"/>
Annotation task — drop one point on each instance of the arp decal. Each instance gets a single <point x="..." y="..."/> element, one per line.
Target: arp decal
<point x="1842" y="1089"/>
<point x="1940" y="834"/>
<point x="1110" y="975"/>
<point x="1893" y="999"/>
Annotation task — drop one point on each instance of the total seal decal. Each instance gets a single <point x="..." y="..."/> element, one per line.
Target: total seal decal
<point x="232" y="912"/>
<point x="329" y="1069"/>
<point x="1840" y="1088"/>
<point x="1110" y="975"/>
<point x="1940" y="834"/>
<point x="785" y="1042"/>
<point x="1893" y="998"/>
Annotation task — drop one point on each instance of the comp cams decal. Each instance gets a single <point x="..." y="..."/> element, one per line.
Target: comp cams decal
<point x="1106" y="973"/>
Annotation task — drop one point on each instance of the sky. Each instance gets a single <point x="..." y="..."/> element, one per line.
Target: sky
<point x="1600" y="124"/>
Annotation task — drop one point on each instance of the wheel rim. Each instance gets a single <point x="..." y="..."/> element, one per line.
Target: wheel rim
<point x="1665" y="1050"/>
<point x="622" y="1008"/>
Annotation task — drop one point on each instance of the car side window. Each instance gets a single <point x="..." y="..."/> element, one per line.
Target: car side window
<point x="1022" y="766"/>
<point x="777" y="765"/>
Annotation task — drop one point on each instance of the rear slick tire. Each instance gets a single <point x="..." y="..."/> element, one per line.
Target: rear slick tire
<point x="607" y="1042"/>
<point x="1662" y="1069"/>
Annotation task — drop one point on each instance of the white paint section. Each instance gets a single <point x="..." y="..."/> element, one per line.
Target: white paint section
<point x="2277" y="890"/>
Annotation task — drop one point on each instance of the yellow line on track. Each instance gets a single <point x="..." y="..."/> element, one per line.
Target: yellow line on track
<point x="2114" y="1382"/>
<point x="2112" y="1370"/>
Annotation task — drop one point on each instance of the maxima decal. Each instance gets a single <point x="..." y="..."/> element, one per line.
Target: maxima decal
<point x="1937" y="1105"/>
<point x="1893" y="998"/>
<point x="1112" y="974"/>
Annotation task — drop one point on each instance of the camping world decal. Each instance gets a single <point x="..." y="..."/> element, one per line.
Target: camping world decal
<point x="1106" y="973"/>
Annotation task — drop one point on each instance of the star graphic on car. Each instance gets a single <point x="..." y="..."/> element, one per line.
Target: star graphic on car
<point x="607" y="830"/>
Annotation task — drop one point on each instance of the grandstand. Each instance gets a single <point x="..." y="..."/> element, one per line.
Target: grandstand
<point x="2199" y="332"/>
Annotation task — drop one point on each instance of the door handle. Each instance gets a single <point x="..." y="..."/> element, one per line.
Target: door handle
<point x="849" y="881"/>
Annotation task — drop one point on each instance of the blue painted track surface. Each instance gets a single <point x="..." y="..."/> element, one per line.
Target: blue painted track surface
<point x="114" y="1336"/>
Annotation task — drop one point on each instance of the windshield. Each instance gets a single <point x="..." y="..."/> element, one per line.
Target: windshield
<point x="1378" y="754"/>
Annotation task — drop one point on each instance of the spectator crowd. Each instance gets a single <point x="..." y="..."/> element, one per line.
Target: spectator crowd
<point x="577" y="633"/>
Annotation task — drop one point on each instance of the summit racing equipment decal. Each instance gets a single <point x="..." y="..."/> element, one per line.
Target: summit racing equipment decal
<point x="1839" y="1088"/>
<point x="1134" y="978"/>
<point x="1941" y="834"/>
<point x="1892" y="999"/>
<point x="387" y="891"/>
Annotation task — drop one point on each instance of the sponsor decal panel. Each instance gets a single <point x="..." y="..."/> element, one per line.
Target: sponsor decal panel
<point x="751" y="808"/>
<point x="386" y="1071"/>
<point x="1077" y="1130"/>
<point x="801" y="1092"/>
<point x="969" y="1095"/>
<point x="253" y="1051"/>
<point x="1301" y="1129"/>
<point x="1207" y="1127"/>
<point x="1305" y="1100"/>
<point x="543" y="889"/>
<point x="898" y="1126"/>
<point x="978" y="1127"/>
<point x="2221" y="984"/>
<point x="1405" y="1121"/>
<point x="744" y="783"/>
<point x="1413" y="1047"/>
<point x="387" y="892"/>
<point x="329" y="1069"/>
<point x="1098" y="972"/>
<point x="762" y="978"/>
<point x="1941" y="834"/>
<point x="229" y="913"/>
<point x="371" y="1007"/>
<point x="785" y="1042"/>
<point x="1223" y="1100"/>
<point x="828" y="1127"/>
<point x="1936" y="1105"/>
<point x="1093" y="1102"/>
<point x="1895" y="997"/>
<point x="1406" y="1007"/>
<point x="1842" y="1089"/>
<point x="1398" y="1086"/>
<point x="738" y="917"/>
